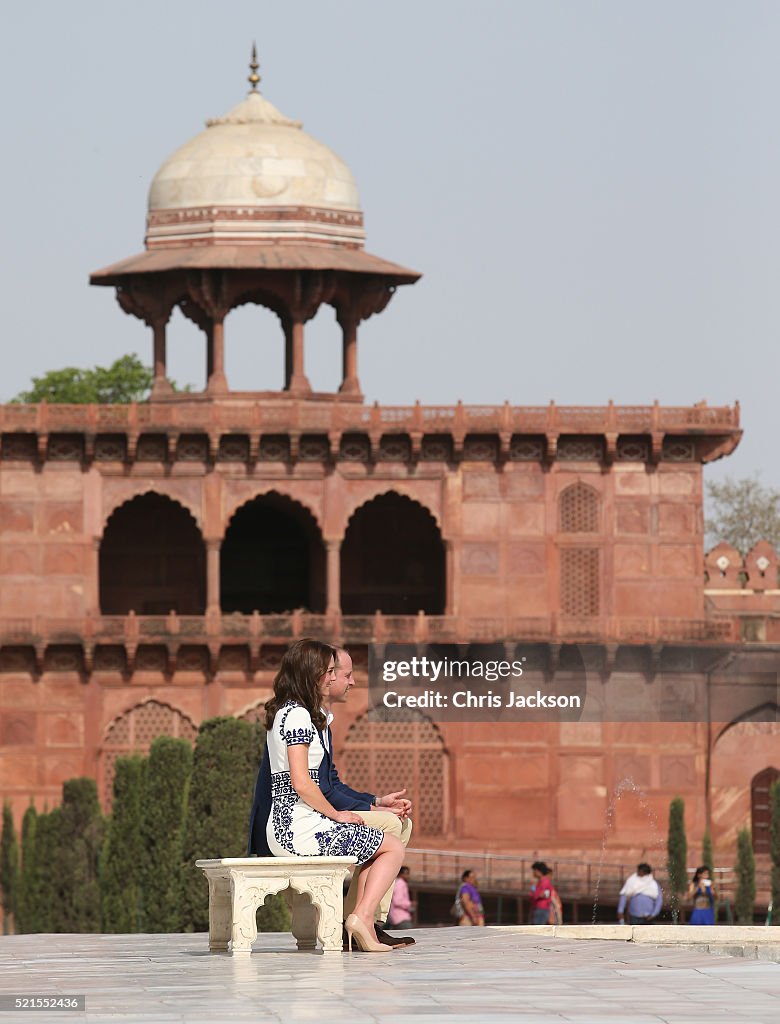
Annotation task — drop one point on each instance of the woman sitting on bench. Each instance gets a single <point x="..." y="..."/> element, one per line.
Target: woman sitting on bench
<point x="302" y="820"/>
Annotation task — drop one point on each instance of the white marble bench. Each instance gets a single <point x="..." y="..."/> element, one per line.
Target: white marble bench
<point x="239" y="885"/>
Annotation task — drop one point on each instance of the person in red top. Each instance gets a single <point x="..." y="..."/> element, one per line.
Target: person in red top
<point x="541" y="893"/>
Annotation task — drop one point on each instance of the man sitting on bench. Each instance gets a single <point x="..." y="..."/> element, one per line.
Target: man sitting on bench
<point x="390" y="813"/>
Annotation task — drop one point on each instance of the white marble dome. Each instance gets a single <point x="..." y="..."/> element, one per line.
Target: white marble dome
<point x="253" y="175"/>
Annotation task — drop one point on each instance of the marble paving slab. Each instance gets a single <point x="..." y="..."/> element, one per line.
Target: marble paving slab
<point x="452" y="974"/>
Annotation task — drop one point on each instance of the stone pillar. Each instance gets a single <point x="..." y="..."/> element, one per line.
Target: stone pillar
<point x="333" y="577"/>
<point x="350" y="385"/>
<point x="212" y="577"/>
<point x="160" y="384"/>
<point x="217" y="381"/>
<point x="296" y="377"/>
<point x="450" y="606"/>
<point x="92" y="578"/>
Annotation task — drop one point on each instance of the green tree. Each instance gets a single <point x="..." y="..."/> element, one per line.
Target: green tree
<point x="9" y="868"/>
<point x="126" y="380"/>
<point x="74" y="864"/>
<point x="166" y="791"/>
<point x="745" y="870"/>
<point x="223" y="773"/>
<point x="45" y="910"/>
<point x="122" y="853"/>
<point x="677" y="855"/>
<point x="774" y="800"/>
<point x="29" y="900"/>
<point x="743" y="512"/>
<point x="707" y="855"/>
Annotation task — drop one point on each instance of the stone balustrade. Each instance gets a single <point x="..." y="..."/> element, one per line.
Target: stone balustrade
<point x="239" y="643"/>
<point x="244" y="428"/>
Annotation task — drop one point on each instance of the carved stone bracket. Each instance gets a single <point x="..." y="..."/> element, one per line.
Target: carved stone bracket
<point x="147" y="300"/>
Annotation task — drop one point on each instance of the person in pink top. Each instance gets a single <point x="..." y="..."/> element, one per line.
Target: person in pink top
<point x="541" y="893"/>
<point x="401" y="905"/>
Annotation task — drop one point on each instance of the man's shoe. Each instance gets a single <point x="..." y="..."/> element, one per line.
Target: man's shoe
<point x="397" y="941"/>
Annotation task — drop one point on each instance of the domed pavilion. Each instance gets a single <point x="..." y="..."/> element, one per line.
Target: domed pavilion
<point x="254" y="209"/>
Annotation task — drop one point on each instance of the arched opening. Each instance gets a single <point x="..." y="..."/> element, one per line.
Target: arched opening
<point x="254" y="348"/>
<point x="186" y="352"/>
<point x="323" y="350"/>
<point x="761" y="808"/>
<point x="134" y="732"/>
<point x="740" y="775"/>
<point x="152" y="560"/>
<point x="273" y="559"/>
<point x="392" y="560"/>
<point x="387" y="750"/>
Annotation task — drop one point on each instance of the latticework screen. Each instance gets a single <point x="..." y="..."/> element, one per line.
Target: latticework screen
<point x="579" y="510"/>
<point x="580" y="581"/>
<point x="386" y="752"/>
<point x="133" y="733"/>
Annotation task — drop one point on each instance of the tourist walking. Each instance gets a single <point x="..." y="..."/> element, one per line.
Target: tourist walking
<point x="468" y="901"/>
<point x="541" y="893"/>
<point x="701" y="892"/>
<point x="640" y="898"/>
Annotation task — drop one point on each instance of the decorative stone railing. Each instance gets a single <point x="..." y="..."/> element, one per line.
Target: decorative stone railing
<point x="242" y="428"/>
<point x="208" y="643"/>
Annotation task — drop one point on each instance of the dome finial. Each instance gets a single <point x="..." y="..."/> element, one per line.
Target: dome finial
<point x="253" y="78"/>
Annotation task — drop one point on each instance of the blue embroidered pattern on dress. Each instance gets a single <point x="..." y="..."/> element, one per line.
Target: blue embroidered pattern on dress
<point x="345" y="840"/>
<point x="283" y="801"/>
<point x="294" y="736"/>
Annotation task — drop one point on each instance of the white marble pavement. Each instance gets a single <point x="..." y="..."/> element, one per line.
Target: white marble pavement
<point x="466" y="975"/>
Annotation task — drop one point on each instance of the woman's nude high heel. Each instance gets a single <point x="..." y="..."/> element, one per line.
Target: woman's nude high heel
<point x="363" y="937"/>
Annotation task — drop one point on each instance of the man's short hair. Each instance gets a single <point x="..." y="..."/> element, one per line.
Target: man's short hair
<point x="466" y="874"/>
<point x="644" y="869"/>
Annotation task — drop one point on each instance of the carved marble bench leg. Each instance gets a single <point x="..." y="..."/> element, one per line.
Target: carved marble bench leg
<point x="326" y="895"/>
<point x="220" y="914"/>
<point x="304" y="920"/>
<point x="246" y="896"/>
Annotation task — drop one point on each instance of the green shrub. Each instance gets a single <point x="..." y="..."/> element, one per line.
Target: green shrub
<point x="774" y="802"/>
<point x="677" y="855"/>
<point x="74" y="858"/>
<point x="166" y="790"/>
<point x="122" y="853"/>
<point x="9" y="868"/>
<point x="745" y="870"/>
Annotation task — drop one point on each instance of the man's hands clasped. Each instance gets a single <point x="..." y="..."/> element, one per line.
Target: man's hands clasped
<point x="396" y="803"/>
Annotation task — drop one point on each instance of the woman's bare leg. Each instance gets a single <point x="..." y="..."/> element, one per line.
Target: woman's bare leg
<point x="376" y="878"/>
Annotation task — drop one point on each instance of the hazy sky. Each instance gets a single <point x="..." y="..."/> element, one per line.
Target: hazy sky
<point x="591" y="190"/>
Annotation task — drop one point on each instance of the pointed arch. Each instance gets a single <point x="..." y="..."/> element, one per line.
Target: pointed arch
<point x="579" y="507"/>
<point x="386" y="750"/>
<point x="392" y="559"/>
<point x="133" y="732"/>
<point x="272" y="558"/>
<point x="152" y="559"/>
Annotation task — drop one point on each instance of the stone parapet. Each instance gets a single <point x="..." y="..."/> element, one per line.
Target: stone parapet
<point x="251" y="428"/>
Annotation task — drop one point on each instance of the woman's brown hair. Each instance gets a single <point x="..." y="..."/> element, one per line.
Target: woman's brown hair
<point x="303" y="664"/>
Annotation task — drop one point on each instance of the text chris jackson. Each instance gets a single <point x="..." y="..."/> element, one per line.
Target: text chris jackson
<point x="468" y="699"/>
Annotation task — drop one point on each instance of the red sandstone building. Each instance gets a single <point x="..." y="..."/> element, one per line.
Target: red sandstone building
<point x="156" y="558"/>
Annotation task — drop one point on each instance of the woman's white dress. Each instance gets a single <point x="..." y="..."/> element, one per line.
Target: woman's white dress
<point x="294" y="827"/>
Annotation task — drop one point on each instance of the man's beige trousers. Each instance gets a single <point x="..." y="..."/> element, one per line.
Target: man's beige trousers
<point x="393" y="826"/>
